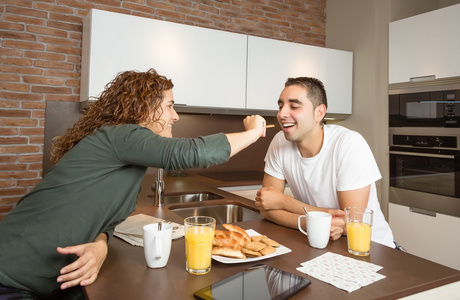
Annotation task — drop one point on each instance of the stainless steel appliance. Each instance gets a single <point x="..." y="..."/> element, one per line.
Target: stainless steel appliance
<point x="435" y="108"/>
<point x="425" y="169"/>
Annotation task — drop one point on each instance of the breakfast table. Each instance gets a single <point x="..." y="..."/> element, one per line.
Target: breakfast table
<point x="125" y="274"/>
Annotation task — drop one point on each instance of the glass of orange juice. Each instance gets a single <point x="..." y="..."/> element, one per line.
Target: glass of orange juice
<point x="359" y="228"/>
<point x="199" y="233"/>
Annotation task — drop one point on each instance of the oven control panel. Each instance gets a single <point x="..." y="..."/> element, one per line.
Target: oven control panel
<point x="425" y="141"/>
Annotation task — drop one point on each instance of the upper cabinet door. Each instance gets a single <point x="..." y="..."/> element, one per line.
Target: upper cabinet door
<point x="425" y="45"/>
<point x="272" y="62"/>
<point x="207" y="67"/>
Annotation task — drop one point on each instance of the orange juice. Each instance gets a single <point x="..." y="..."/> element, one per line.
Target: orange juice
<point x="198" y="247"/>
<point x="359" y="238"/>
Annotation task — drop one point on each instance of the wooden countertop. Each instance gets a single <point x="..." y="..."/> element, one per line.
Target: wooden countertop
<point x="125" y="274"/>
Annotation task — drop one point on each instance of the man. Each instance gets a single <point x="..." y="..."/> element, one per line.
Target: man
<point x="327" y="167"/>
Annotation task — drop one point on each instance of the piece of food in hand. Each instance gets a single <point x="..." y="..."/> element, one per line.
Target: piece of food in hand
<point x="228" y="252"/>
<point x="236" y="228"/>
<point x="257" y="238"/>
<point x="255" y="246"/>
<point x="250" y="253"/>
<point x="267" y="250"/>
<point x="270" y="242"/>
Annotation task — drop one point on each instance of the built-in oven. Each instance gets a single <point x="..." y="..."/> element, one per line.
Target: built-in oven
<point x="425" y="169"/>
<point x="439" y="108"/>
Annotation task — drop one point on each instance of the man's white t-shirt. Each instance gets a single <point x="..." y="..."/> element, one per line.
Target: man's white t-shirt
<point x="344" y="163"/>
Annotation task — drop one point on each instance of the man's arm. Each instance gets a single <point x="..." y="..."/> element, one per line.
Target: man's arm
<point x="356" y="198"/>
<point x="282" y="209"/>
<point x="278" y="207"/>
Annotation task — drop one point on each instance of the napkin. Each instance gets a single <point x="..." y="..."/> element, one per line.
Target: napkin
<point x="346" y="273"/>
<point x="131" y="230"/>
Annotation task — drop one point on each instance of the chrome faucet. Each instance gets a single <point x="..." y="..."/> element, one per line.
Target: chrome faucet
<point x="159" y="188"/>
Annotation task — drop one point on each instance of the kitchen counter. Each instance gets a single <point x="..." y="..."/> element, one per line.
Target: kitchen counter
<point x="125" y="275"/>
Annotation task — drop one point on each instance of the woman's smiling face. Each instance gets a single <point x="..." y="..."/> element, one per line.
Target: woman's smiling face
<point x="165" y="119"/>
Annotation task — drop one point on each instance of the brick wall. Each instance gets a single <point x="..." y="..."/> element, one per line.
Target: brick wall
<point x="41" y="54"/>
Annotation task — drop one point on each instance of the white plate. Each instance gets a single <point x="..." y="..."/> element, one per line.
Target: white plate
<point x="228" y="260"/>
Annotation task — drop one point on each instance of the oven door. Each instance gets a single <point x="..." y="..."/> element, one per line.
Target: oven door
<point x="422" y="109"/>
<point x="425" y="171"/>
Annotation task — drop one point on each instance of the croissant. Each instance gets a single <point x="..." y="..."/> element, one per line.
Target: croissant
<point x="231" y="235"/>
<point x="228" y="252"/>
<point x="226" y="241"/>
<point x="236" y="228"/>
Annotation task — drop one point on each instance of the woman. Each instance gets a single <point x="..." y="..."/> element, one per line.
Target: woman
<point x="55" y="240"/>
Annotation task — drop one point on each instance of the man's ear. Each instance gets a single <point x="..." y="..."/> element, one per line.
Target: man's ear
<point x="320" y="112"/>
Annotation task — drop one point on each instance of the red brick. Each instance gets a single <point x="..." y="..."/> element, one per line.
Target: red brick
<point x="51" y="7"/>
<point x="43" y="80"/>
<point x="9" y="77"/>
<point x="68" y="18"/>
<point x="137" y="7"/>
<point x="28" y="183"/>
<point x="18" y="149"/>
<point x="33" y="105"/>
<point x="65" y="26"/>
<point x="11" y="26"/>
<point x="11" y="52"/>
<point x="21" y="96"/>
<point x="20" y="70"/>
<point x="14" y="87"/>
<point x="51" y="90"/>
<point x="66" y="98"/>
<point x="30" y="158"/>
<point x="23" y="45"/>
<point x="53" y="65"/>
<point x="17" y="36"/>
<point x="64" y="74"/>
<point x="36" y="166"/>
<point x="8" y="131"/>
<point x="47" y="31"/>
<point x="13" y="167"/>
<point x="26" y="12"/>
<point x="16" y="61"/>
<point x="4" y="209"/>
<point x="18" y="122"/>
<point x="7" y="183"/>
<point x="13" y="113"/>
<point x="22" y="19"/>
<point x="32" y="131"/>
<point x="12" y="191"/>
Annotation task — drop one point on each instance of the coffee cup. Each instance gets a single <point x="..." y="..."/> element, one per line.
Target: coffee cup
<point x="318" y="228"/>
<point x="157" y="244"/>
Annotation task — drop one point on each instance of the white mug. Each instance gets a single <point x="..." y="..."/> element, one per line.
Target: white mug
<point x="157" y="244"/>
<point x="318" y="228"/>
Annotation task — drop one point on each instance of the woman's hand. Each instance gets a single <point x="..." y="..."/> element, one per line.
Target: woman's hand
<point x="255" y="122"/>
<point x="85" y="269"/>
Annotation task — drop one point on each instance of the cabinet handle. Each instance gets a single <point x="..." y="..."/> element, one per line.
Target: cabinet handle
<point x="422" y="211"/>
<point x="422" y="78"/>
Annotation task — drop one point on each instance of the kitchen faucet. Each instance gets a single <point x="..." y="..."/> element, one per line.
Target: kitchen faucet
<point x="158" y="187"/>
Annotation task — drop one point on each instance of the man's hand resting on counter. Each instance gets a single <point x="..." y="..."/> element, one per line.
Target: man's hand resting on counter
<point x="85" y="269"/>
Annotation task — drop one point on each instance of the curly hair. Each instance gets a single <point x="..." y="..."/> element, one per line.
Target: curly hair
<point x="130" y="98"/>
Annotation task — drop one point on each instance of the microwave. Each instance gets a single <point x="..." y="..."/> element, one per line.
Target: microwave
<point x="425" y="109"/>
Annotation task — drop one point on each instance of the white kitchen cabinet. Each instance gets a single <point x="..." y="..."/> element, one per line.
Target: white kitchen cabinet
<point x="207" y="67"/>
<point x="271" y="62"/>
<point x="433" y="238"/>
<point x="213" y="71"/>
<point x="425" y="45"/>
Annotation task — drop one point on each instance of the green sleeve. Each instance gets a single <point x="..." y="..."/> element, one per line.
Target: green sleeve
<point x="140" y="146"/>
